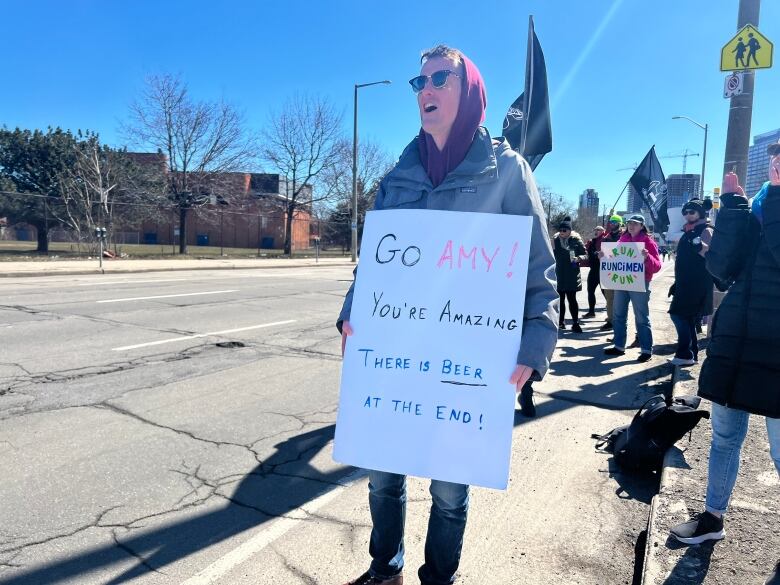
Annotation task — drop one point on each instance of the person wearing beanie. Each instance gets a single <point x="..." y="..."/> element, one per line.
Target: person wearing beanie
<point x="453" y="164"/>
<point x="692" y="291"/>
<point x="569" y="251"/>
<point x="592" y="249"/>
<point x="741" y="371"/>
<point x="611" y="235"/>
<point x="640" y="300"/>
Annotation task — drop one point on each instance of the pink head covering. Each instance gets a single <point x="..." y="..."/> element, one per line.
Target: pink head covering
<point x="471" y="113"/>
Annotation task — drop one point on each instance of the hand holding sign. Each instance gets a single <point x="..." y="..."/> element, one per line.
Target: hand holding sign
<point x="520" y="376"/>
<point x="346" y="331"/>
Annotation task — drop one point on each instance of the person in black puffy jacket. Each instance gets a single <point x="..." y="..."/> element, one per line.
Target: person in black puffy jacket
<point x="569" y="251"/>
<point x="741" y="371"/>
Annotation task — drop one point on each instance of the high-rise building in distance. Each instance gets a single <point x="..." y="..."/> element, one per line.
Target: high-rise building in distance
<point x="681" y="189"/>
<point x="589" y="199"/>
<point x="758" y="161"/>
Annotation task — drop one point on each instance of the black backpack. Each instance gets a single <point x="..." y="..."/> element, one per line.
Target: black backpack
<point x="657" y="425"/>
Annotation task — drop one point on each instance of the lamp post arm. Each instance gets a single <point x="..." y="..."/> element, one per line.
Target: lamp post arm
<point x="704" y="127"/>
<point x="704" y="160"/>
<point x="354" y="164"/>
<point x="354" y="176"/>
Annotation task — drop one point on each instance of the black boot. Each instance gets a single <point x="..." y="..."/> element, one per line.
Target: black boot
<point x="527" y="407"/>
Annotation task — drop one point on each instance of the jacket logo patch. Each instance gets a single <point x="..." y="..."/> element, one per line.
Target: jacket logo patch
<point x="468" y="189"/>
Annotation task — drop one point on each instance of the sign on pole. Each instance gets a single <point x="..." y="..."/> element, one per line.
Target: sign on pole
<point x="734" y="84"/>
<point x="623" y="266"/>
<point x="437" y="315"/>
<point x="749" y="49"/>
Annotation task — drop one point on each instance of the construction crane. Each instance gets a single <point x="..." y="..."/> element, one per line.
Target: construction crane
<point x="685" y="154"/>
<point x="631" y="168"/>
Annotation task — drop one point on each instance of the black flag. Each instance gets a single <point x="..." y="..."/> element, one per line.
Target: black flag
<point x="648" y="180"/>
<point x="527" y="124"/>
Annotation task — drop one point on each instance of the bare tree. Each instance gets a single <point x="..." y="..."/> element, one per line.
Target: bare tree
<point x="373" y="164"/>
<point x="87" y="188"/>
<point x="303" y="142"/>
<point x="104" y="186"/>
<point x="556" y="207"/>
<point x="201" y="140"/>
<point x="587" y="219"/>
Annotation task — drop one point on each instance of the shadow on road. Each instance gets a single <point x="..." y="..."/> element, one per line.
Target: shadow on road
<point x="279" y="485"/>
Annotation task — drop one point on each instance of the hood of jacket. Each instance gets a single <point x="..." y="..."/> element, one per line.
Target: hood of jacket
<point x="479" y="165"/>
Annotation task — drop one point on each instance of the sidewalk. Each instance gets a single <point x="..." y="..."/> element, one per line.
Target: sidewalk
<point x="121" y="266"/>
<point x="752" y="543"/>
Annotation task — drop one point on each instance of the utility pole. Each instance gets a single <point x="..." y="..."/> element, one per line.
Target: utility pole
<point x="741" y="110"/>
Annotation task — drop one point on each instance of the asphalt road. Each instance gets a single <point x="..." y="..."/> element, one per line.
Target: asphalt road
<point x="135" y="448"/>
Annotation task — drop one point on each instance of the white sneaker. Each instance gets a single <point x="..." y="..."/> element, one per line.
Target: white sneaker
<point x="681" y="362"/>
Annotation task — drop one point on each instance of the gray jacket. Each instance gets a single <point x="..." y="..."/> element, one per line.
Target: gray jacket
<point x="491" y="179"/>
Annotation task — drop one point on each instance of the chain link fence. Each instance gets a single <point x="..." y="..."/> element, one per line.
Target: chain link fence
<point x="211" y="229"/>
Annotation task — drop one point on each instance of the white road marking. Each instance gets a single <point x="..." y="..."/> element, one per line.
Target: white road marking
<point x="257" y="543"/>
<point x="199" y="335"/>
<point x="101" y="282"/>
<point x="213" y="292"/>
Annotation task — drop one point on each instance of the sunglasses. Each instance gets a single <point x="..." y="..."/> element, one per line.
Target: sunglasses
<point x="438" y="80"/>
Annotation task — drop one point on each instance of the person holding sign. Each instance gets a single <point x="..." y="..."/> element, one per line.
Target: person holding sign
<point x="640" y="300"/>
<point x="454" y="164"/>
<point x="740" y="373"/>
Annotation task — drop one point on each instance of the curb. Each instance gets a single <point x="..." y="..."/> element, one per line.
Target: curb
<point x="671" y="455"/>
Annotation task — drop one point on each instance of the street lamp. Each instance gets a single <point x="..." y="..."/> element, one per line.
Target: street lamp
<point x="354" y="166"/>
<point x="704" y="127"/>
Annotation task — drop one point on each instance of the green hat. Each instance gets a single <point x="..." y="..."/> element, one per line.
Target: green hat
<point x="616" y="219"/>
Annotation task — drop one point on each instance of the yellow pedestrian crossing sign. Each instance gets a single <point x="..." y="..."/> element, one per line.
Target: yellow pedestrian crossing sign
<point x="749" y="49"/>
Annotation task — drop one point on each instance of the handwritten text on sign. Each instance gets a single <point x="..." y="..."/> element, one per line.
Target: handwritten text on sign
<point x="437" y="314"/>
<point x="623" y="266"/>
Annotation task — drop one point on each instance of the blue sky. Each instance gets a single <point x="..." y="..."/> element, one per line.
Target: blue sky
<point x="618" y="70"/>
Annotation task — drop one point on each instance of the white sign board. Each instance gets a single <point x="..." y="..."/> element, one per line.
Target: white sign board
<point x="437" y="315"/>
<point x="734" y="85"/>
<point x="676" y="220"/>
<point x="623" y="266"/>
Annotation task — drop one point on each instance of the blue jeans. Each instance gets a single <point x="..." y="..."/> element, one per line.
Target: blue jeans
<point x="729" y="427"/>
<point x="687" y="340"/>
<point x="446" y="524"/>
<point x="641" y="303"/>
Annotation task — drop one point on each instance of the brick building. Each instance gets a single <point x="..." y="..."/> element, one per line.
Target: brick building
<point x="245" y="210"/>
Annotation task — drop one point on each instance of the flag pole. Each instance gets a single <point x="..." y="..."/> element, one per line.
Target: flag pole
<point x="529" y="75"/>
<point x="612" y="211"/>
